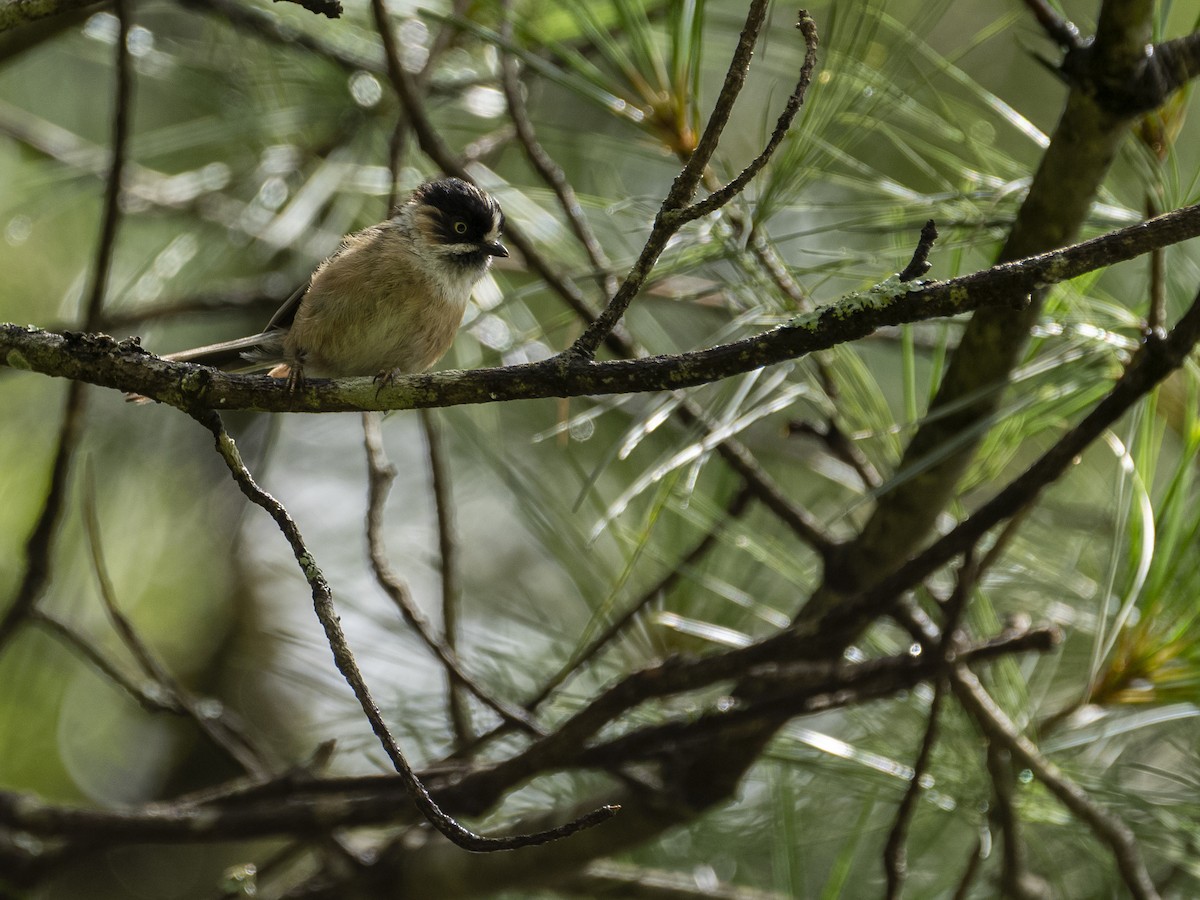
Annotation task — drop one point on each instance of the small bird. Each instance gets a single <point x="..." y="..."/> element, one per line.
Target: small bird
<point x="388" y="302"/>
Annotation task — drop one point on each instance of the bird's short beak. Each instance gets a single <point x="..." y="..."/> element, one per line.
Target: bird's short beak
<point x="494" y="248"/>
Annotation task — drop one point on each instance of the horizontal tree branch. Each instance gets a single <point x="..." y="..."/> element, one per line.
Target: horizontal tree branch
<point x="800" y="689"/>
<point x="98" y="359"/>
<point x="299" y="804"/>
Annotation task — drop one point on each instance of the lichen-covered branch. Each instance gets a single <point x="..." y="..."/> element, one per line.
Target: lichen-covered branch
<point x="124" y="366"/>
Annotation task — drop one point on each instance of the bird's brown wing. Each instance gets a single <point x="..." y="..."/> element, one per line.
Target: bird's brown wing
<point x="286" y="314"/>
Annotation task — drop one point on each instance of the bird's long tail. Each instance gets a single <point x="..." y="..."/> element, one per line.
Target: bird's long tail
<point x="250" y="353"/>
<point x="253" y="353"/>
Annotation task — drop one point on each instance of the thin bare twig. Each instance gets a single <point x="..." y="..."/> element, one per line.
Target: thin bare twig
<point x="395" y="153"/>
<point x="840" y="447"/>
<point x="677" y="208"/>
<point x="39" y="544"/>
<point x="152" y="701"/>
<point x="544" y="165"/>
<point x="739" y="458"/>
<point x="122" y="110"/>
<point x="721" y="196"/>
<point x="1156" y="316"/>
<point x="970" y="872"/>
<point x="225" y="733"/>
<point x="344" y="658"/>
<point x="1003" y="540"/>
<point x="1014" y="862"/>
<point x="443" y="502"/>
<point x="1106" y="826"/>
<point x="380" y="476"/>
<point x="688" y="180"/>
<point x="1057" y="27"/>
<point x="737" y="506"/>
<point x="895" y="855"/>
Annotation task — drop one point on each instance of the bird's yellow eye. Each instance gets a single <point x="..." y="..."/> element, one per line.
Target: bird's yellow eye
<point x="460" y="227"/>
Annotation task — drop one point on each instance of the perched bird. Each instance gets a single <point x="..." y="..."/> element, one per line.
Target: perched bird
<point x="388" y="302"/>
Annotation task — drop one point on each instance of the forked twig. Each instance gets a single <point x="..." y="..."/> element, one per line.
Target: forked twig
<point x="677" y="208"/>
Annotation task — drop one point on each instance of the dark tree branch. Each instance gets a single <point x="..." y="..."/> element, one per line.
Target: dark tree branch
<point x="300" y="804"/>
<point x="331" y="9"/>
<point x="1158" y="357"/>
<point x="774" y="694"/>
<point x="124" y="366"/>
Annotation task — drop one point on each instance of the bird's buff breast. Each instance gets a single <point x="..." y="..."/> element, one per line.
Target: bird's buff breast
<point x="356" y="322"/>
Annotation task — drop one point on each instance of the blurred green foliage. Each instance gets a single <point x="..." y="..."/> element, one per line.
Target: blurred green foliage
<point x="251" y="157"/>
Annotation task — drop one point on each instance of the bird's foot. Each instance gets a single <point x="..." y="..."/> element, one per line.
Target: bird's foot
<point x="384" y="379"/>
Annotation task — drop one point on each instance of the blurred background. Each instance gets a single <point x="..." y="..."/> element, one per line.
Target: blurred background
<point x="253" y="151"/>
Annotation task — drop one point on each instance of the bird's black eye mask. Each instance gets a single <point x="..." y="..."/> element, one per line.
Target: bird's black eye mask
<point x="465" y="214"/>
